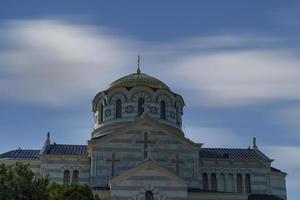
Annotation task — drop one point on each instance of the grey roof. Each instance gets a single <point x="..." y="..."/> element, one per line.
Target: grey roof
<point x="234" y="154"/>
<point x="21" y="154"/>
<point x="66" y="149"/>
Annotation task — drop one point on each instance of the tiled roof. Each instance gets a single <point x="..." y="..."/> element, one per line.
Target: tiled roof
<point x="263" y="197"/>
<point x="234" y="154"/>
<point x="21" y="154"/>
<point x="66" y="149"/>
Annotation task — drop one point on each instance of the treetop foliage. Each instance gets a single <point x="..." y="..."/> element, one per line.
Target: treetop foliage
<point x="18" y="182"/>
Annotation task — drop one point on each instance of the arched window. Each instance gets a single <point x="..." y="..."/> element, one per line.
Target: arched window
<point x="148" y="195"/>
<point x="221" y="182"/>
<point x="239" y="184"/>
<point x="100" y="115"/>
<point x="214" y="183"/>
<point x="119" y="108"/>
<point x="163" y="110"/>
<point x="248" y="183"/>
<point x="66" y="177"/>
<point x="177" y="117"/>
<point x="205" y="181"/>
<point x="141" y="109"/>
<point x="75" y="177"/>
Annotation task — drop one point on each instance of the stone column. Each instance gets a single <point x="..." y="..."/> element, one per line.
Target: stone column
<point x="225" y="180"/>
<point x="201" y="179"/>
<point x="218" y="181"/>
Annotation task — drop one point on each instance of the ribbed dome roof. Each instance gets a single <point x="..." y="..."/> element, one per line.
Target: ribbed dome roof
<point x="136" y="79"/>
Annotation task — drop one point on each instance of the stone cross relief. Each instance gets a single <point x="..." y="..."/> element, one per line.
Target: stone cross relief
<point x="113" y="161"/>
<point x="146" y="143"/>
<point x="177" y="161"/>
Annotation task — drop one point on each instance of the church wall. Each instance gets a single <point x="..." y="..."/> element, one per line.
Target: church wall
<point x="162" y="186"/>
<point x="278" y="184"/>
<point x="54" y="166"/>
<point x="227" y="170"/>
<point x="129" y="153"/>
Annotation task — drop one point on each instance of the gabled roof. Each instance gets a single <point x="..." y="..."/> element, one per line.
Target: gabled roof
<point x="66" y="149"/>
<point x="21" y="154"/>
<point x="232" y="154"/>
<point x="142" y="166"/>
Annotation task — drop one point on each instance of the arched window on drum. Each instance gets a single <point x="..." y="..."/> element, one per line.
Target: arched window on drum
<point x="118" y="108"/>
<point x="141" y="106"/>
<point x="178" y="117"/>
<point x="100" y="114"/>
<point x="162" y="110"/>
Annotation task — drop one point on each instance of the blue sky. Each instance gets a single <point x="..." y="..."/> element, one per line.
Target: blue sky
<point x="236" y="64"/>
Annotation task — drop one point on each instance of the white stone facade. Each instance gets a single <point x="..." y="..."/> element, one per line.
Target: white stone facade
<point x="132" y="154"/>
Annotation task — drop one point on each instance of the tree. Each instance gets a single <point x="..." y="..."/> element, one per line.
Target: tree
<point x="17" y="182"/>
<point x="70" y="192"/>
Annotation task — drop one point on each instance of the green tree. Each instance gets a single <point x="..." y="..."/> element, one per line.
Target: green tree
<point x="70" y="192"/>
<point x="17" y="182"/>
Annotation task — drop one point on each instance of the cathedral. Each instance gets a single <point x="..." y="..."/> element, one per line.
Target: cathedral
<point x="137" y="150"/>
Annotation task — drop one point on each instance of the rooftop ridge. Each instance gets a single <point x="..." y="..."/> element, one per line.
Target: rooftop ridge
<point x="233" y="153"/>
<point x="71" y="144"/>
<point x="21" y="154"/>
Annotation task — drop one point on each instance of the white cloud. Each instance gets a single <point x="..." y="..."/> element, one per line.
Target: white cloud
<point x="54" y="62"/>
<point x="241" y="77"/>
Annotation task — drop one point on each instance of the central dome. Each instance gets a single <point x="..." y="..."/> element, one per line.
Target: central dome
<point x="132" y="97"/>
<point x="136" y="79"/>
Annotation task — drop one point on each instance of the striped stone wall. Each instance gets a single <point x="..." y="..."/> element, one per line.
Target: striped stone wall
<point x="54" y="166"/>
<point x="278" y="184"/>
<point x="129" y="152"/>
<point x="227" y="171"/>
<point x="161" y="185"/>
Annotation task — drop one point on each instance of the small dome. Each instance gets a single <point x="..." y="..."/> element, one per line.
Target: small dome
<point x="136" y="79"/>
